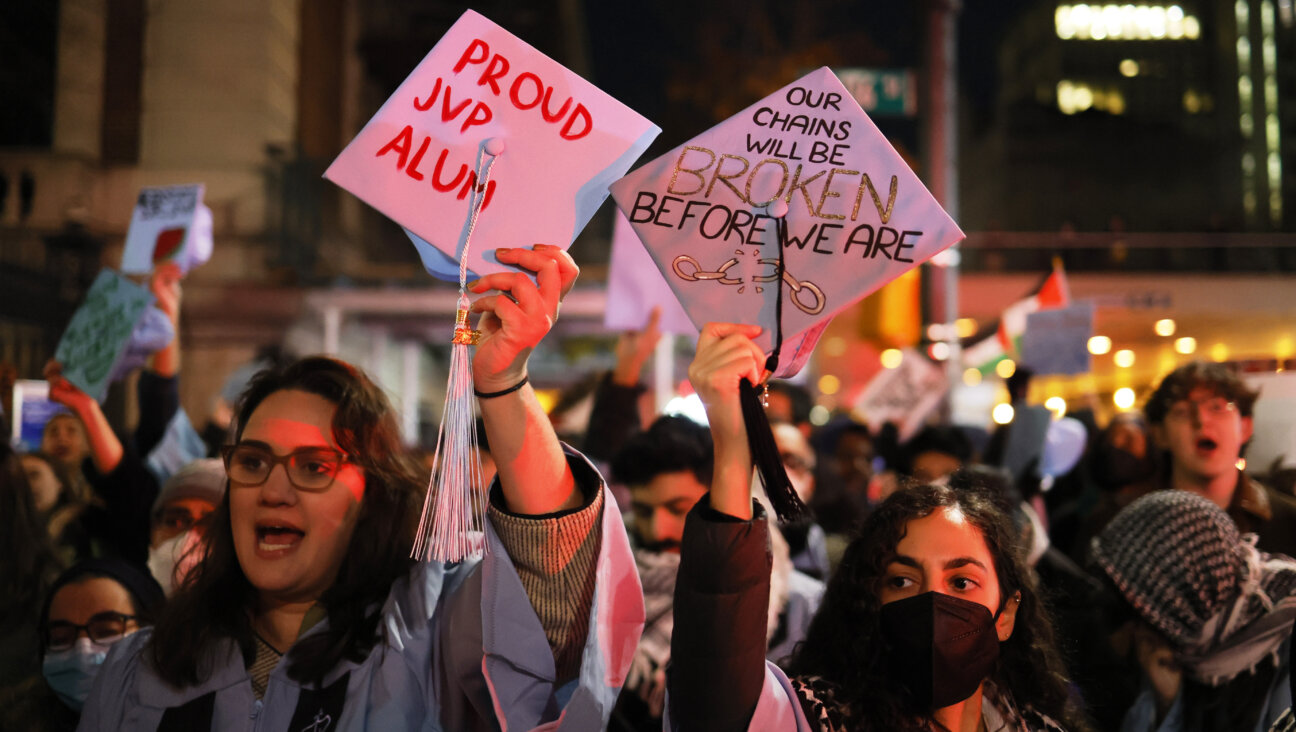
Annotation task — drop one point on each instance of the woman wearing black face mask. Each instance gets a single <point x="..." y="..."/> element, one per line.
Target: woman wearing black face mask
<point x="931" y="622"/>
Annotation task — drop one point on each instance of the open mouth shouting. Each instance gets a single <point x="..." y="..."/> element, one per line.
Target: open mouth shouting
<point x="1206" y="447"/>
<point x="277" y="538"/>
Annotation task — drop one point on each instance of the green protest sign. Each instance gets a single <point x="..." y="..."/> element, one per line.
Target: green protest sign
<point x="100" y="330"/>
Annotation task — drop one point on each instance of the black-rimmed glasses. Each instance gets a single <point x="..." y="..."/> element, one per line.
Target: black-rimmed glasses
<point x="109" y="626"/>
<point x="308" y="469"/>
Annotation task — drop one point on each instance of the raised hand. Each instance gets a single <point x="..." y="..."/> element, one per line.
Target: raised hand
<point x="533" y="472"/>
<point x="633" y="348"/>
<point x="63" y="391"/>
<point x="165" y="286"/>
<point x="725" y="356"/>
<point x="516" y="320"/>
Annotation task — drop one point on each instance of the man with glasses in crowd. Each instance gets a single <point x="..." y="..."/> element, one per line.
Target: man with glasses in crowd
<point x="1200" y="415"/>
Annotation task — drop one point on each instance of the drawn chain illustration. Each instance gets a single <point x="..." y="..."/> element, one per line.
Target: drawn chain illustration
<point x="720" y="275"/>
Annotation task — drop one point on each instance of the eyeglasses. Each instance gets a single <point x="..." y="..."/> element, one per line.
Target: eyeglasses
<point x="107" y="626"/>
<point x="1213" y="408"/>
<point x="308" y="469"/>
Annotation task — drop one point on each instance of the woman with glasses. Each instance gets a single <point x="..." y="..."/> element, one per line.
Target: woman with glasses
<point x="89" y="609"/>
<point x="307" y="612"/>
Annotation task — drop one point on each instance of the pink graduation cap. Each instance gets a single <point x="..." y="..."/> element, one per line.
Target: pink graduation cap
<point x="488" y="143"/>
<point x="784" y="215"/>
<point x="563" y="142"/>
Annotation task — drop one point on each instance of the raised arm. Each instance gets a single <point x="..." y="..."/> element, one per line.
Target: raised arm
<point x="158" y="389"/>
<point x="725" y="356"/>
<point x="165" y="286"/>
<point x="718" y="668"/>
<point x="105" y="449"/>
<point x="614" y="417"/>
<point x="533" y="471"/>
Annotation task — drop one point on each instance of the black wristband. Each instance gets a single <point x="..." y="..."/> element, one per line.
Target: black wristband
<point x="502" y="392"/>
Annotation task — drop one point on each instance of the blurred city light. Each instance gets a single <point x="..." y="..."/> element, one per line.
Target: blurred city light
<point x="1219" y="352"/>
<point x="829" y="384"/>
<point x="1057" y="405"/>
<point x="1099" y="345"/>
<point x="971" y="377"/>
<point x="1124" y="358"/>
<point x="1185" y="345"/>
<point x="1129" y="67"/>
<point x="966" y="327"/>
<point x="1002" y="414"/>
<point x="892" y="357"/>
<point x="1125" y="23"/>
<point x="1124" y="397"/>
<point x="939" y="351"/>
<point x="687" y="406"/>
<point x="1164" y="327"/>
<point x="819" y="415"/>
<point x="1006" y="368"/>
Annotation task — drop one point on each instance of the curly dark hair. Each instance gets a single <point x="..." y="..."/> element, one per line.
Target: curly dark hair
<point x="844" y="645"/>
<point x="218" y="600"/>
<point x="1214" y="377"/>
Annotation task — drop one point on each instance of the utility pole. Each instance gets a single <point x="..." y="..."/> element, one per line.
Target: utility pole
<point x="942" y="165"/>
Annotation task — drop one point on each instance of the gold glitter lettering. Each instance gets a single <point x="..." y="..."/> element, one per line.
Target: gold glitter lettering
<point x="695" y="172"/>
<point x="800" y="185"/>
<point x="752" y="177"/>
<point x="828" y="193"/>
<point x="884" y="213"/>
<point x="717" y="175"/>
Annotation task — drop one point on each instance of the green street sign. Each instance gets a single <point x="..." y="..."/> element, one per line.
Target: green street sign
<point x="882" y="92"/>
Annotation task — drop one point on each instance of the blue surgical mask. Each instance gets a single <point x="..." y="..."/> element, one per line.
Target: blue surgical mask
<point x="71" y="673"/>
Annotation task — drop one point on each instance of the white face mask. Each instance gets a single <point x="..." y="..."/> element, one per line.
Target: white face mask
<point x="71" y="673"/>
<point x="172" y="559"/>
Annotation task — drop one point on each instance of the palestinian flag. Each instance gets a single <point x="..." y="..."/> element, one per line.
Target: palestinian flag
<point x="1005" y="342"/>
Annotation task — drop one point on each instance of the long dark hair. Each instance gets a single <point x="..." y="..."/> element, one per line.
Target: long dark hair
<point x="27" y="562"/>
<point x="844" y="644"/>
<point x="217" y="601"/>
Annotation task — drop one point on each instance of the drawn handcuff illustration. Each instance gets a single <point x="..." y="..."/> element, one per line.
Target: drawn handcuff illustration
<point x="720" y="275"/>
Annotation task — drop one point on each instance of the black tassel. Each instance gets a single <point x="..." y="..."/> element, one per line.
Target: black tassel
<point x="765" y="455"/>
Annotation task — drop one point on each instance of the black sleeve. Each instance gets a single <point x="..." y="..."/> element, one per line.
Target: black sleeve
<point x="721" y="604"/>
<point x="123" y="525"/>
<point x="159" y="400"/>
<point x="613" y="419"/>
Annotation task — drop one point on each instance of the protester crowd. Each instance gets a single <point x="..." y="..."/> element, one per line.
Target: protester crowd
<point x="634" y="577"/>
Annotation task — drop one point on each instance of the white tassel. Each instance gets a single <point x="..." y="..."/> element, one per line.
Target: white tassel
<point x="456" y="499"/>
<point x="450" y="528"/>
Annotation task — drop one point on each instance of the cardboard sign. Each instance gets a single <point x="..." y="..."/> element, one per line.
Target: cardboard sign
<point x="100" y="331"/>
<point x="169" y="224"/>
<point x="32" y="408"/>
<point x="636" y="286"/>
<point x="1057" y="341"/>
<point x="1026" y="435"/>
<point x="422" y="157"/>
<point x="857" y="216"/>
<point x="904" y="395"/>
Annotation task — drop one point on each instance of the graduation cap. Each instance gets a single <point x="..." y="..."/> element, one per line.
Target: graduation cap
<point x="563" y="142"/>
<point x="782" y="216"/>
<point x="488" y="143"/>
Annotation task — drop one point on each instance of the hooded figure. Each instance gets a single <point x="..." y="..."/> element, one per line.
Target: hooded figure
<point x="1214" y="615"/>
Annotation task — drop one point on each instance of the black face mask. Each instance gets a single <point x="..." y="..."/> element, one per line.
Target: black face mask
<point x="939" y="646"/>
